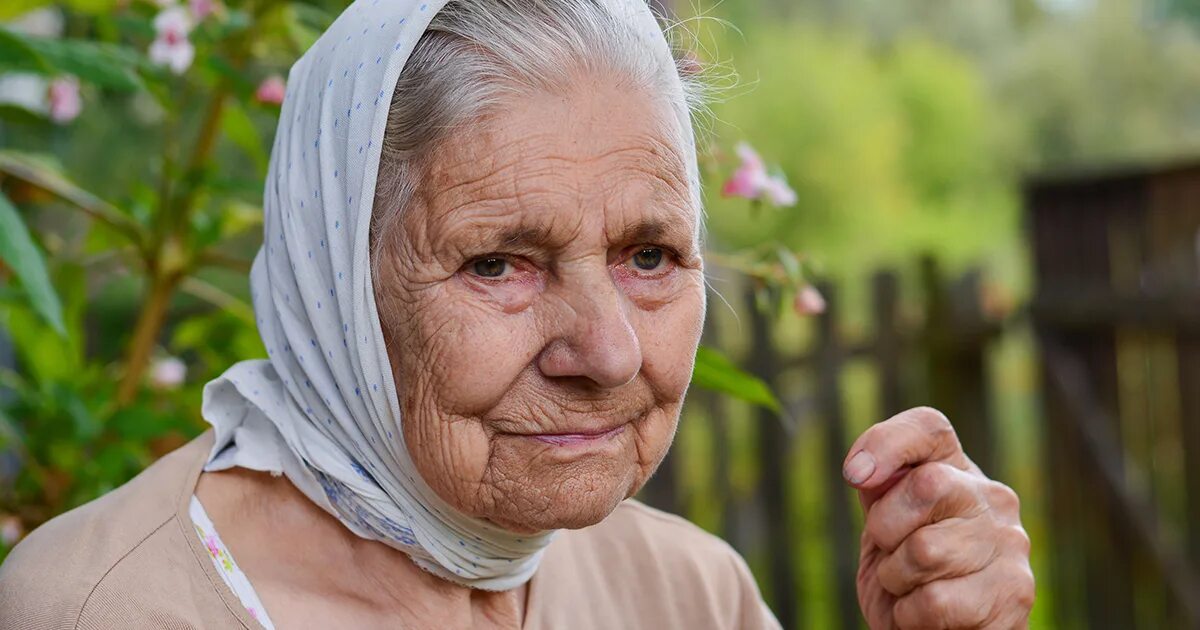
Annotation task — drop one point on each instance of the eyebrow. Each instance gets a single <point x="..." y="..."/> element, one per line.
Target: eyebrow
<point x="644" y="231"/>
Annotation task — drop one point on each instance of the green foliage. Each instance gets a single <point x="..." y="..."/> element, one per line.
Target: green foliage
<point x="104" y="65"/>
<point x="716" y="372"/>
<point x="888" y="153"/>
<point x="22" y="256"/>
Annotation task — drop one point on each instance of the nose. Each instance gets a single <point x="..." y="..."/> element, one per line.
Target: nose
<point x="594" y="336"/>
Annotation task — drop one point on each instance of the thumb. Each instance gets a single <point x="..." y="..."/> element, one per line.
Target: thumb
<point x="905" y="440"/>
<point x="868" y="496"/>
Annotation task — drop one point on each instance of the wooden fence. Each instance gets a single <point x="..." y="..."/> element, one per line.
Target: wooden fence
<point x="1117" y="315"/>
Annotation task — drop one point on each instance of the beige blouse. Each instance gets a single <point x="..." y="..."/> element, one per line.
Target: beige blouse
<point x="131" y="560"/>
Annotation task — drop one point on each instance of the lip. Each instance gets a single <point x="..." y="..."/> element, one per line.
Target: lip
<point x="568" y="440"/>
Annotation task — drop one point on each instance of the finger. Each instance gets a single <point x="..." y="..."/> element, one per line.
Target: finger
<point x="927" y="494"/>
<point x="948" y="549"/>
<point x="1000" y="596"/>
<point x="908" y="438"/>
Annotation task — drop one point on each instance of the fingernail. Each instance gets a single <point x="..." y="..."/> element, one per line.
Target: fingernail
<point x="859" y="468"/>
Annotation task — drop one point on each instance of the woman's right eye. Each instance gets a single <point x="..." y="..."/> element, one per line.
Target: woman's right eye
<point x="491" y="267"/>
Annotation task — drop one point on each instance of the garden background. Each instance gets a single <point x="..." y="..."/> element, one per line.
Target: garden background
<point x="915" y="138"/>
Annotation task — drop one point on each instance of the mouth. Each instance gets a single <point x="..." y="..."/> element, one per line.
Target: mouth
<point x="577" y="439"/>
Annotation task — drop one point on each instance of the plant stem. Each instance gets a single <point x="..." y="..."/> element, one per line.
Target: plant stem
<point x="145" y="333"/>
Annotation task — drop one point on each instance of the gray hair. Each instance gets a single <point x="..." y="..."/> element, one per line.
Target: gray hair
<point x="477" y="54"/>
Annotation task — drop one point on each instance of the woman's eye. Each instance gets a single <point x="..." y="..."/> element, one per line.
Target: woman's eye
<point x="648" y="258"/>
<point x="490" y="267"/>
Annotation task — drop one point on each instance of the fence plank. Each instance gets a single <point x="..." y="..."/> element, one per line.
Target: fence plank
<point x="956" y="362"/>
<point x="773" y="447"/>
<point x="829" y="400"/>
<point x="1189" y="386"/>
<point x="885" y="289"/>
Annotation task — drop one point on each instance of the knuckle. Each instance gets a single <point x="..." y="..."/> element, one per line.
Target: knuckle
<point x="932" y="419"/>
<point x="926" y="550"/>
<point x="938" y="600"/>
<point x="1024" y="587"/>
<point x="878" y="530"/>
<point x="1016" y="538"/>
<point x="929" y="482"/>
<point x="891" y="576"/>
<point x="1003" y="498"/>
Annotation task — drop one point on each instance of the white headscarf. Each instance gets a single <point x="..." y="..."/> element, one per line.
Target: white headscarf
<point x="323" y="408"/>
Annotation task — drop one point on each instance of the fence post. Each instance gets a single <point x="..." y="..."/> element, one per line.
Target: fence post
<point x="773" y="447"/>
<point x="885" y="303"/>
<point x="831" y="356"/>
<point x="1188" y="349"/>
<point x="956" y="338"/>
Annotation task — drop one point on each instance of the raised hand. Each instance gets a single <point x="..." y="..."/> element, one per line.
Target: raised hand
<point x="943" y="545"/>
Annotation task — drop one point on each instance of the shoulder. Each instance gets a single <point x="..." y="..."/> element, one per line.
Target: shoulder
<point x="118" y="542"/>
<point x="662" y="568"/>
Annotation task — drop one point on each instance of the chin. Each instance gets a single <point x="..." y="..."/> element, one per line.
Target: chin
<point x="536" y="495"/>
<point x="573" y="506"/>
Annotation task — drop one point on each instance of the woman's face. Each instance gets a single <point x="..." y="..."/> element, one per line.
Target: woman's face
<point x="542" y="301"/>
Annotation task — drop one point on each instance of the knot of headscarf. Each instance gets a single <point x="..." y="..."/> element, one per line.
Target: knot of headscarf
<point x="322" y="409"/>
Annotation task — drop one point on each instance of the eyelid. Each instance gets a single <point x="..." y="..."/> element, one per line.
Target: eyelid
<point x="671" y="255"/>
<point x="469" y="266"/>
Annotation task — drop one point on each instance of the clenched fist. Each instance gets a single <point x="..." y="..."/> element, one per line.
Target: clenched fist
<point x="943" y="545"/>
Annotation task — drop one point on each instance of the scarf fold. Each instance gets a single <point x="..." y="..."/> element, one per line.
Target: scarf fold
<point x="322" y="409"/>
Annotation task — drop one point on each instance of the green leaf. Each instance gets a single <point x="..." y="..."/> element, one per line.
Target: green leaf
<point x="716" y="372"/>
<point x="16" y="53"/>
<point x="44" y="173"/>
<point x="14" y="8"/>
<point x="19" y="115"/>
<point x="18" y="251"/>
<point x="236" y="124"/>
<point x="103" y="64"/>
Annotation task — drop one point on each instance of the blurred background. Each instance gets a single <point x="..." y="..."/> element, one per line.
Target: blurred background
<point x="990" y="207"/>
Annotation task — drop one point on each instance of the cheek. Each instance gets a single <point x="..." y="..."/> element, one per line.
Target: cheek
<point x="669" y="335"/>
<point x="469" y="351"/>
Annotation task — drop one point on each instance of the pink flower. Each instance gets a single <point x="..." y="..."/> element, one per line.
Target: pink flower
<point x="747" y="181"/>
<point x="808" y="301"/>
<point x="210" y="542"/>
<point x="62" y="96"/>
<point x="271" y="90"/>
<point x="168" y="373"/>
<point x="11" y="530"/>
<point x="777" y="191"/>
<point x="752" y="181"/>
<point x="202" y="8"/>
<point x="172" y="47"/>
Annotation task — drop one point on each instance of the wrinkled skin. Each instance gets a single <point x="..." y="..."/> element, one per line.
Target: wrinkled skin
<point x="572" y="335"/>
<point x="943" y="545"/>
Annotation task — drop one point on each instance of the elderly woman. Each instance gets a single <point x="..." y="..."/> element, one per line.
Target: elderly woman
<point x="481" y="292"/>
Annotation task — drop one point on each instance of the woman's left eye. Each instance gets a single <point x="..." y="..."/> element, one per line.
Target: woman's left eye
<point x="491" y="267"/>
<point x="649" y="258"/>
